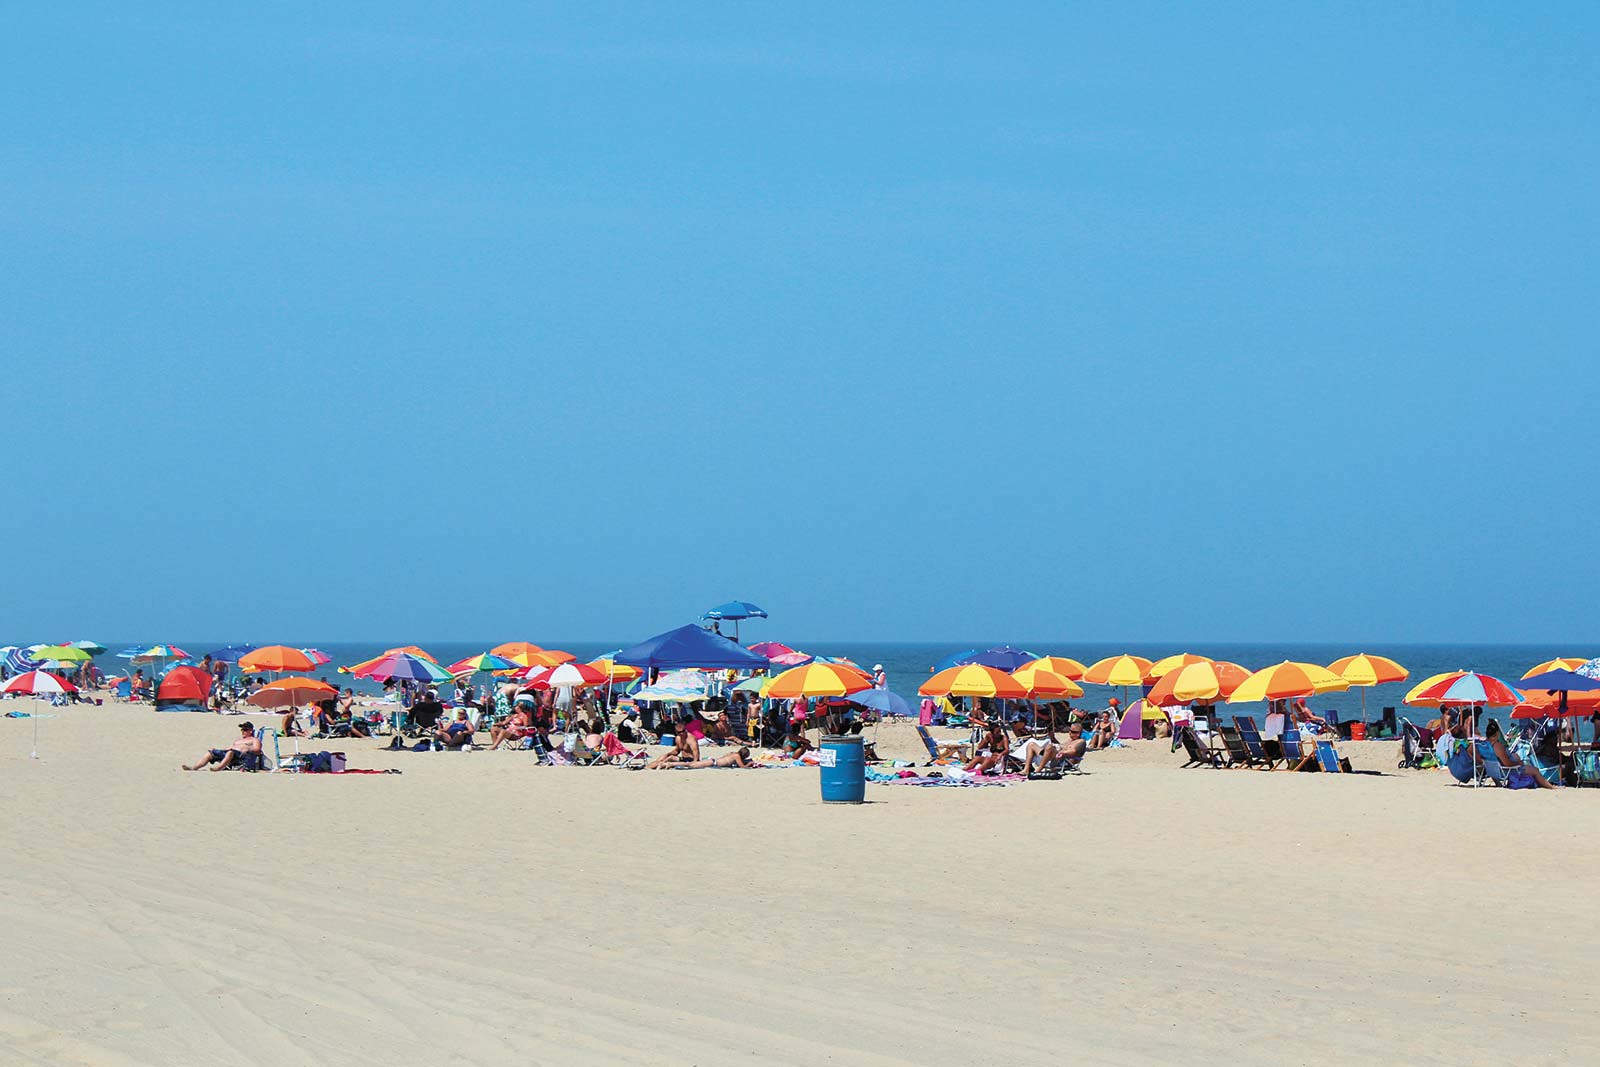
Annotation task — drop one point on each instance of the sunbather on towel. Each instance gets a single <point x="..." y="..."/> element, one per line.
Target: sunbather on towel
<point x="220" y="759"/>
<point x="457" y="734"/>
<point x="1520" y="773"/>
<point x="740" y="758"/>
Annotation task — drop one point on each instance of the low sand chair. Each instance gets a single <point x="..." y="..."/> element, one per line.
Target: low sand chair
<point x="939" y="753"/>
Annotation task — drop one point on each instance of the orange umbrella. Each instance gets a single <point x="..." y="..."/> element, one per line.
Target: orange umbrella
<point x="1161" y="667"/>
<point x="1540" y="704"/>
<point x="276" y="658"/>
<point x="1205" y="680"/>
<point x="1118" y="670"/>
<point x="517" y="651"/>
<point x="1040" y="682"/>
<point x="546" y="657"/>
<point x="972" y="680"/>
<point x="1366" y="671"/>
<point x="1070" y="669"/>
<point x="1288" y="680"/>
<point x="1563" y="663"/>
<point x="290" y="693"/>
<point x="817" y="680"/>
<point x="617" y="672"/>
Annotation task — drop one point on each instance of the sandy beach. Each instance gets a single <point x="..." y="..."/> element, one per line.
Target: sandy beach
<point x="478" y="909"/>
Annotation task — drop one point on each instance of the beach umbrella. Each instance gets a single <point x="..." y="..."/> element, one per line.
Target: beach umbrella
<point x="756" y="683"/>
<point x="733" y="611"/>
<point x="159" y="654"/>
<point x="61" y="654"/>
<point x="1003" y="657"/>
<point x="37" y="684"/>
<point x="792" y="659"/>
<point x="1464" y="687"/>
<point x="973" y="680"/>
<point x="317" y="656"/>
<point x="1204" y="681"/>
<point x="402" y="667"/>
<point x="1117" y="670"/>
<point x="954" y="659"/>
<point x="411" y="650"/>
<point x="1161" y="667"/>
<point x="1561" y="663"/>
<point x="770" y="649"/>
<point x="881" y="700"/>
<point x="616" y="672"/>
<point x="675" y="686"/>
<point x="818" y="680"/>
<point x="277" y="659"/>
<point x="232" y="653"/>
<point x="94" y="648"/>
<point x="1286" y="681"/>
<point x="483" y="662"/>
<point x="516" y="651"/>
<point x="291" y="692"/>
<point x="1555" y="704"/>
<point x="1364" y="672"/>
<point x="1559" y="683"/>
<point x="185" y="684"/>
<point x="1068" y="668"/>
<point x="571" y="675"/>
<point x="1039" y="682"/>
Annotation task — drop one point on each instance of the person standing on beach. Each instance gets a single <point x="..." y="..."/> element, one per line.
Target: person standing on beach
<point x="880" y="679"/>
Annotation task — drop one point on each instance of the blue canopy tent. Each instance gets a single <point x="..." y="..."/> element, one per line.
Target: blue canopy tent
<point x="733" y="611"/>
<point x="690" y="646"/>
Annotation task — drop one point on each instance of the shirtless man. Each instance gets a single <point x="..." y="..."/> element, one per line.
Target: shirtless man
<point x="220" y="759"/>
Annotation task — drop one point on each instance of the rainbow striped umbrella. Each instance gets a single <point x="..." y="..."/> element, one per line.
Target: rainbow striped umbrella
<point x="1464" y="687"/>
<point x="483" y="661"/>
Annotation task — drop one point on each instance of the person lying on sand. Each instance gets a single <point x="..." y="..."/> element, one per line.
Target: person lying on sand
<point x="740" y="758"/>
<point x="220" y="759"/>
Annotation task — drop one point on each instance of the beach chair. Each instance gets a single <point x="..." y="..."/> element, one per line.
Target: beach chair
<point x="1328" y="759"/>
<point x="1238" y="752"/>
<point x="1416" y="747"/>
<point x="1295" y="757"/>
<point x="1251" y="737"/>
<point x="1492" y="769"/>
<point x="1586" y="767"/>
<point x="938" y="753"/>
<point x="1200" y="755"/>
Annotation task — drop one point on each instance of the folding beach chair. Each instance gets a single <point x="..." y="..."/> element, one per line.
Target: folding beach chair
<point x="1586" y="767"/>
<point x="1238" y="752"/>
<point x="938" y="753"/>
<point x="1199" y="754"/>
<point x="1253" y="743"/>
<point x="1295" y="758"/>
<point x="1328" y="758"/>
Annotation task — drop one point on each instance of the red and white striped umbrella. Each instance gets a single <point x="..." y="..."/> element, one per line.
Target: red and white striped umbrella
<point x="39" y="684"/>
<point x="573" y="676"/>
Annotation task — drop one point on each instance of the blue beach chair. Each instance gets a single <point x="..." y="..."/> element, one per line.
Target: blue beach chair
<point x="1295" y="757"/>
<point x="1328" y="758"/>
<point x="1252" y="741"/>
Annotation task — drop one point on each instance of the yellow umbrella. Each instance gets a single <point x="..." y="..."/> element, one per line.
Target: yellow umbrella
<point x="1366" y="671"/>
<point x="1204" y="681"/>
<point x="1118" y="670"/>
<point x="1161" y="667"/>
<point x="1563" y="663"/>
<point x="817" y="680"/>
<point x="972" y="680"/>
<point x="1069" y="669"/>
<point x="1287" y="680"/>
<point x="1040" y="682"/>
<point x="617" y="672"/>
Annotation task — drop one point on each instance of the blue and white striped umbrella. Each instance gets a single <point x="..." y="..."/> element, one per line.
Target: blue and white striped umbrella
<point x="675" y="686"/>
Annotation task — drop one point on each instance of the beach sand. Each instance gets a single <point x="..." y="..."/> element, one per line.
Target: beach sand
<point x="477" y="909"/>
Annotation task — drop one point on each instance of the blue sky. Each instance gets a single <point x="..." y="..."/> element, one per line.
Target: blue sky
<point x="907" y="321"/>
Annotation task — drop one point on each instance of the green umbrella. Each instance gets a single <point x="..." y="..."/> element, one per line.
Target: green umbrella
<point x="61" y="653"/>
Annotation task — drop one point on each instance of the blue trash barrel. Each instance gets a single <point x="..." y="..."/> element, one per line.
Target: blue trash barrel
<point x="844" y="769"/>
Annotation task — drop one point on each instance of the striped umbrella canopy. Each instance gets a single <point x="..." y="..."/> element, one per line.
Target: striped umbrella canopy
<point x="617" y="672"/>
<point x="292" y="692"/>
<point x="159" y="653"/>
<point x="1069" y="669"/>
<point x="818" y="680"/>
<point x="770" y="649"/>
<point x="403" y="667"/>
<point x="547" y="657"/>
<point x="675" y="686"/>
<point x="1464" y="687"/>
<point x="516" y="651"/>
<point x="21" y="660"/>
<point x="1039" y="682"/>
<point x="1161" y="667"/>
<point x="572" y="675"/>
<point x="94" y="648"/>
<point x="1117" y="670"/>
<point x="1206" y="680"/>
<point x="1365" y="670"/>
<point x="1561" y="663"/>
<point x="38" y="683"/>
<point x="483" y="661"/>
<point x="1288" y="680"/>
<point x="277" y="659"/>
<point x="754" y="684"/>
<point x="972" y="680"/>
<point x="791" y="659"/>
<point x="317" y="656"/>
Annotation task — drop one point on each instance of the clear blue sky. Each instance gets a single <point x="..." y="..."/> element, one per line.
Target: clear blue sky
<point x="906" y="321"/>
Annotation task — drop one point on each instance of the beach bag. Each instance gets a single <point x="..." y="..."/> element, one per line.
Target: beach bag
<point x="1460" y="764"/>
<point x="1048" y="774"/>
<point x="320" y="763"/>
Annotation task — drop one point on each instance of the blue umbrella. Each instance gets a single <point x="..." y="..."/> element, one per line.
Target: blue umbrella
<point x="954" y="659"/>
<point x="233" y="653"/>
<point x="882" y="700"/>
<point x="1003" y="658"/>
<point x="733" y="611"/>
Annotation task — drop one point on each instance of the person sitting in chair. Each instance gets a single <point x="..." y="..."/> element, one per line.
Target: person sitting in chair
<point x="1521" y="774"/>
<point x="514" y="728"/>
<point x="457" y="734"/>
<point x="425" y="712"/>
<point x="220" y="759"/>
<point x="992" y="750"/>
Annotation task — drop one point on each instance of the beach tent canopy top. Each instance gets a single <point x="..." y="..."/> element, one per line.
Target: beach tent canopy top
<point x="690" y="646"/>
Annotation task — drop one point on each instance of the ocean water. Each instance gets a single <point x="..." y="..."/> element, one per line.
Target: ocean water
<point x="907" y="664"/>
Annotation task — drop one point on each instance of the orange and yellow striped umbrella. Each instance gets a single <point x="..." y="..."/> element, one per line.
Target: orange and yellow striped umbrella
<point x="617" y="672"/>
<point x="1365" y="670"/>
<point x="1118" y="670"/>
<point x="1206" y="680"/>
<point x="517" y="651"/>
<point x="1070" y="669"/>
<point x="1162" y="667"/>
<point x="546" y="657"/>
<point x="1048" y="684"/>
<point x="1287" y="680"/>
<point x="817" y="680"/>
<point x="972" y="680"/>
<point x="1564" y="663"/>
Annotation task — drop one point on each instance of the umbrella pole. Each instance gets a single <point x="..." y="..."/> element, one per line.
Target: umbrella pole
<point x="35" y="753"/>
